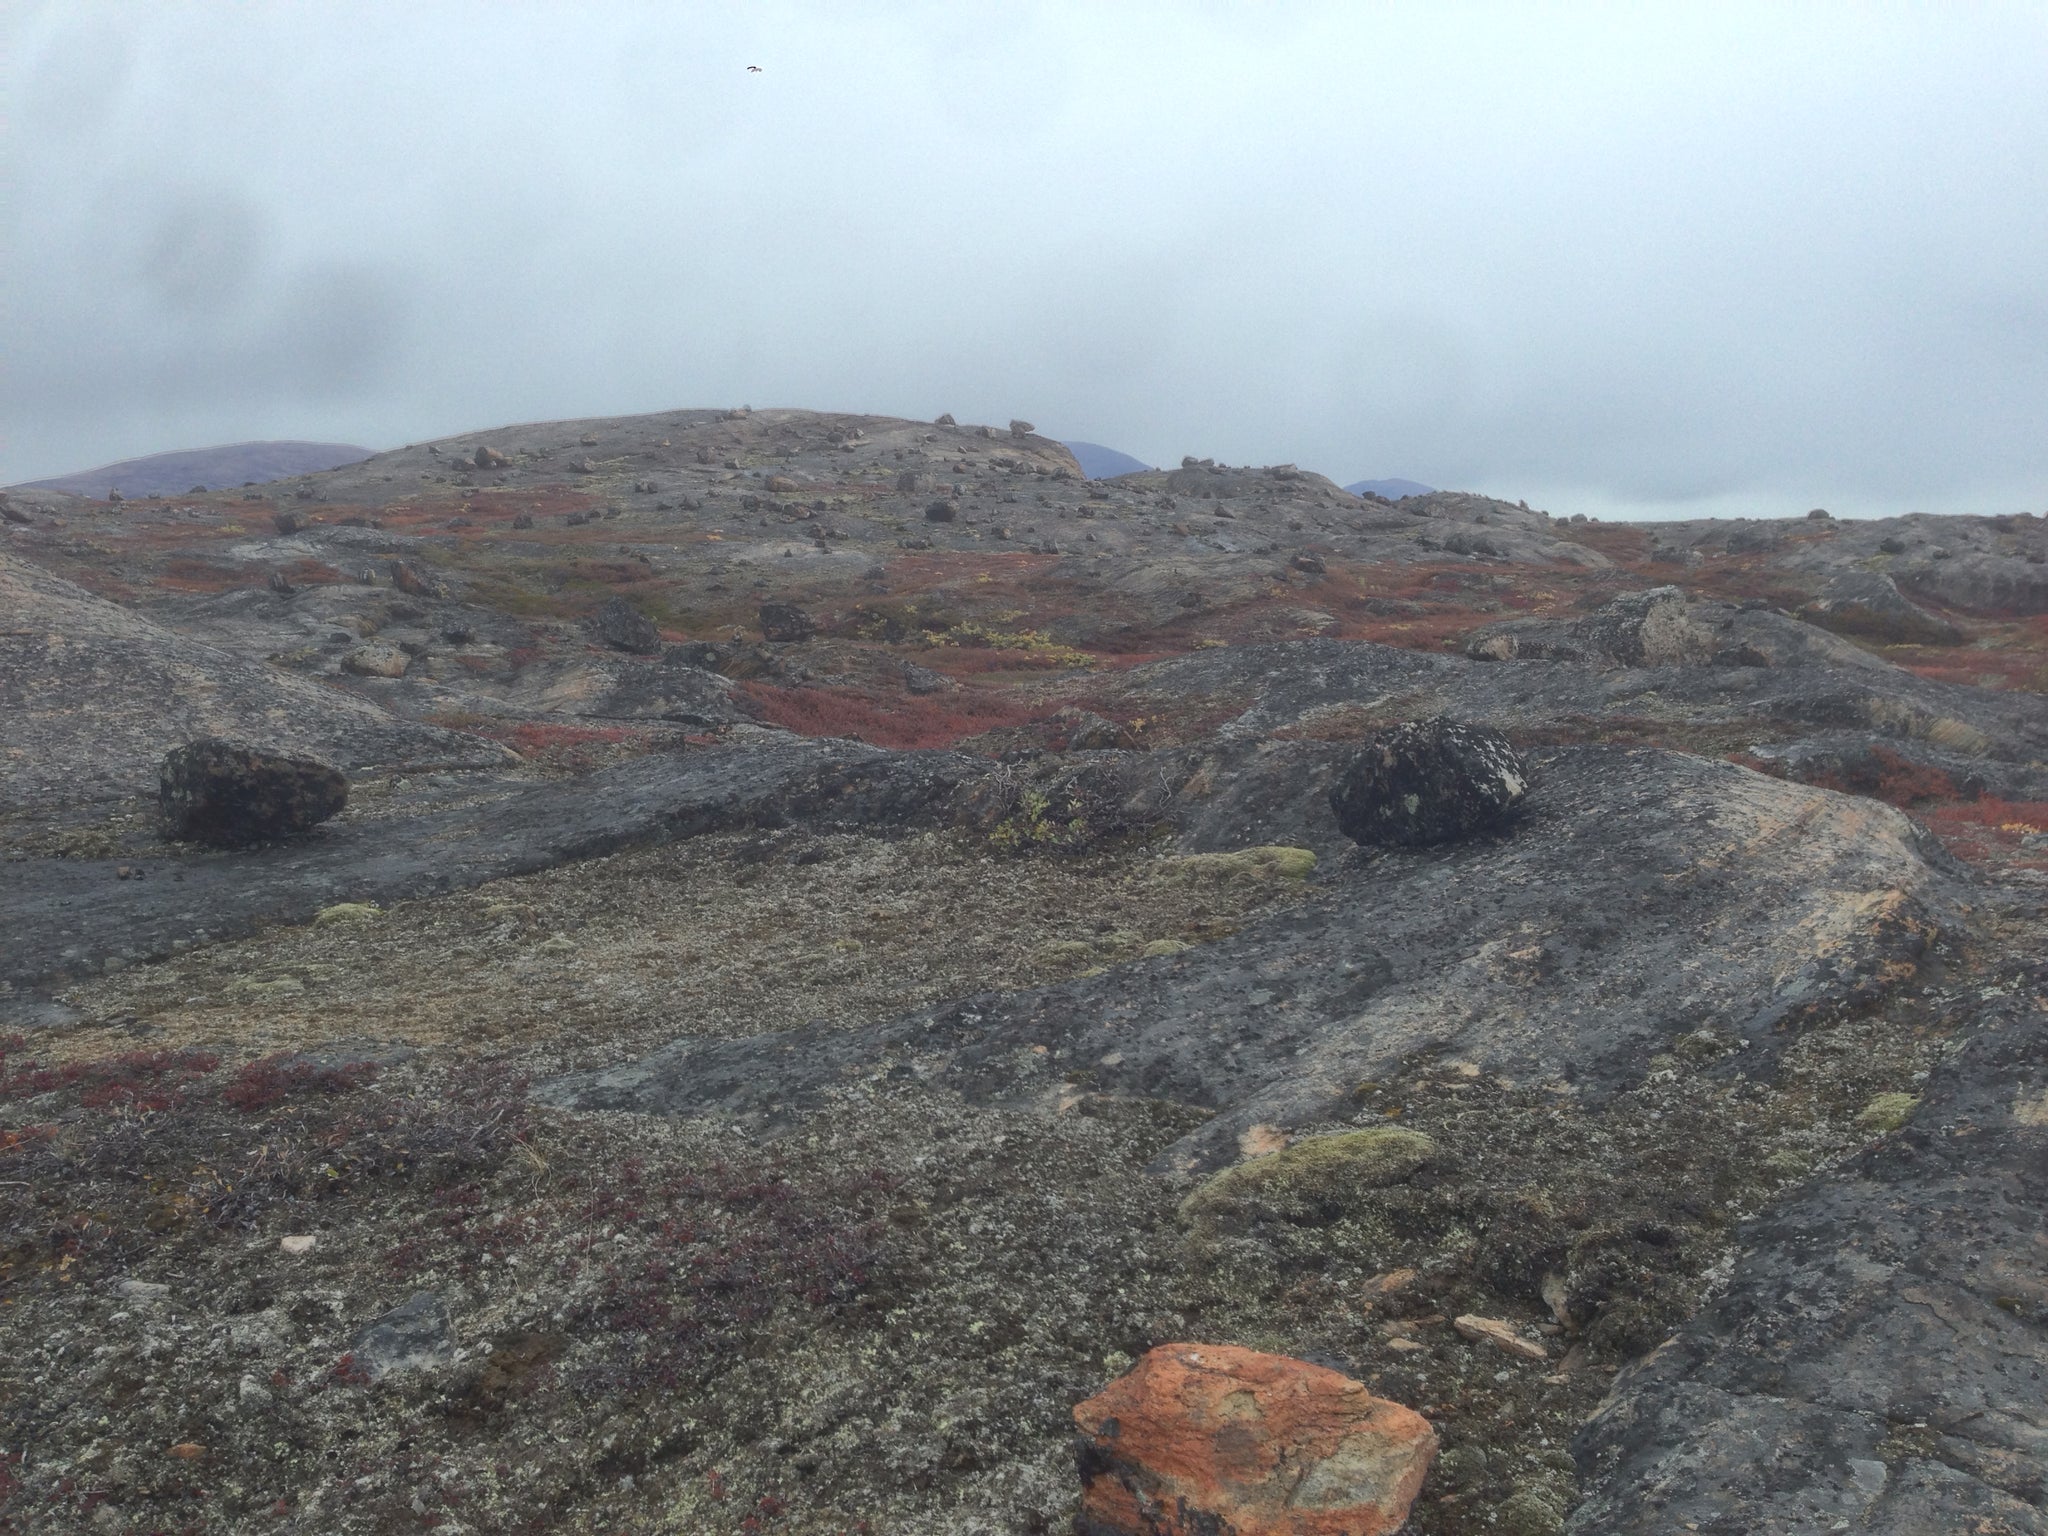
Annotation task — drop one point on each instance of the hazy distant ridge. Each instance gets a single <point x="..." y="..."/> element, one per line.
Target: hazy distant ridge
<point x="1393" y="490"/>
<point x="1100" y="463"/>
<point x="233" y="464"/>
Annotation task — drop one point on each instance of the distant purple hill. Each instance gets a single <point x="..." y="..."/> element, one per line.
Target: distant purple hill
<point x="174" y="474"/>
<point x="1100" y="463"/>
<point x="1393" y="490"/>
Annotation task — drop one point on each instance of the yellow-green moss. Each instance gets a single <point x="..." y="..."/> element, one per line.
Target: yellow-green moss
<point x="348" y="912"/>
<point x="1267" y="864"/>
<point x="1316" y="1169"/>
<point x="1887" y="1112"/>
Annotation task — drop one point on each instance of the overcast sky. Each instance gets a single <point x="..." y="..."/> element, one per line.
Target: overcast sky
<point x="1652" y="260"/>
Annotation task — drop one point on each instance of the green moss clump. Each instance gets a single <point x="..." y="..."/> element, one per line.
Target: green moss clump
<point x="1528" y="1512"/>
<point x="1244" y="865"/>
<point x="347" y="912"/>
<point x="1887" y="1112"/>
<point x="1314" y="1179"/>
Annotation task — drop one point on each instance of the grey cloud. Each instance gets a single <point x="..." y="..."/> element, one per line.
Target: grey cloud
<point x="1650" y="262"/>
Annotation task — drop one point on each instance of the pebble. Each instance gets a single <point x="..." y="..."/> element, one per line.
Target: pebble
<point x="1502" y="1336"/>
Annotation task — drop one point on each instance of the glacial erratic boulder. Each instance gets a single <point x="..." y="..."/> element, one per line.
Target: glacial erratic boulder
<point x="625" y="628"/>
<point x="1429" y="781"/>
<point x="785" y="622"/>
<point x="1206" y="1438"/>
<point x="215" y="791"/>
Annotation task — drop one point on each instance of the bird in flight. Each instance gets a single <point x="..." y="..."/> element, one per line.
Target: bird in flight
<point x="753" y="69"/>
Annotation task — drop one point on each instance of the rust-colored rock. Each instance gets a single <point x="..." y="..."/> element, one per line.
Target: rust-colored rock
<point x="1213" y="1440"/>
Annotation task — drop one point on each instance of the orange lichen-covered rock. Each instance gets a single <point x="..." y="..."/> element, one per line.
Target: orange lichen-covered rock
<point x="1213" y="1440"/>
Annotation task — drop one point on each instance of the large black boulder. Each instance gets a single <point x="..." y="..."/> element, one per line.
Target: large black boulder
<point x="1429" y="781"/>
<point x="214" y="791"/>
<point x="625" y="628"/>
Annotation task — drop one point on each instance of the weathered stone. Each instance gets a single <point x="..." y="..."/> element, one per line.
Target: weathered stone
<point x="414" y="1336"/>
<point x="1086" y="731"/>
<point x="377" y="660"/>
<point x="1503" y="1336"/>
<point x="213" y="791"/>
<point x="1203" y="1439"/>
<point x="1869" y="604"/>
<point x="286" y="522"/>
<point x="1429" y="781"/>
<point x="489" y="458"/>
<point x="922" y="680"/>
<point x="410" y="579"/>
<point x="625" y="628"/>
<point x="942" y="512"/>
<point x="786" y="622"/>
<point x="1021" y="429"/>
<point x="944" y="419"/>
<point x="780" y="485"/>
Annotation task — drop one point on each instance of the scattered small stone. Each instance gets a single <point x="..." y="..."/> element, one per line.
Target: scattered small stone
<point x="417" y="1335"/>
<point x="922" y="680"/>
<point x="1502" y="1336"/>
<point x="376" y="661"/>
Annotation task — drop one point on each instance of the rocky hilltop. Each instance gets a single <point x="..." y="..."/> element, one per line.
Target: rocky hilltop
<point x="830" y="945"/>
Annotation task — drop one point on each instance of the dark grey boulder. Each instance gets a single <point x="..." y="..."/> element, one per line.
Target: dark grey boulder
<point x="214" y="791"/>
<point x="417" y="1335"/>
<point x="625" y="628"/>
<point x="942" y="512"/>
<point x="1429" y="781"/>
<point x="786" y="622"/>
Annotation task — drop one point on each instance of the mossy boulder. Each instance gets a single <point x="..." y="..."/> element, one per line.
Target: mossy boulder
<point x="1887" y="1112"/>
<point x="1316" y="1179"/>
